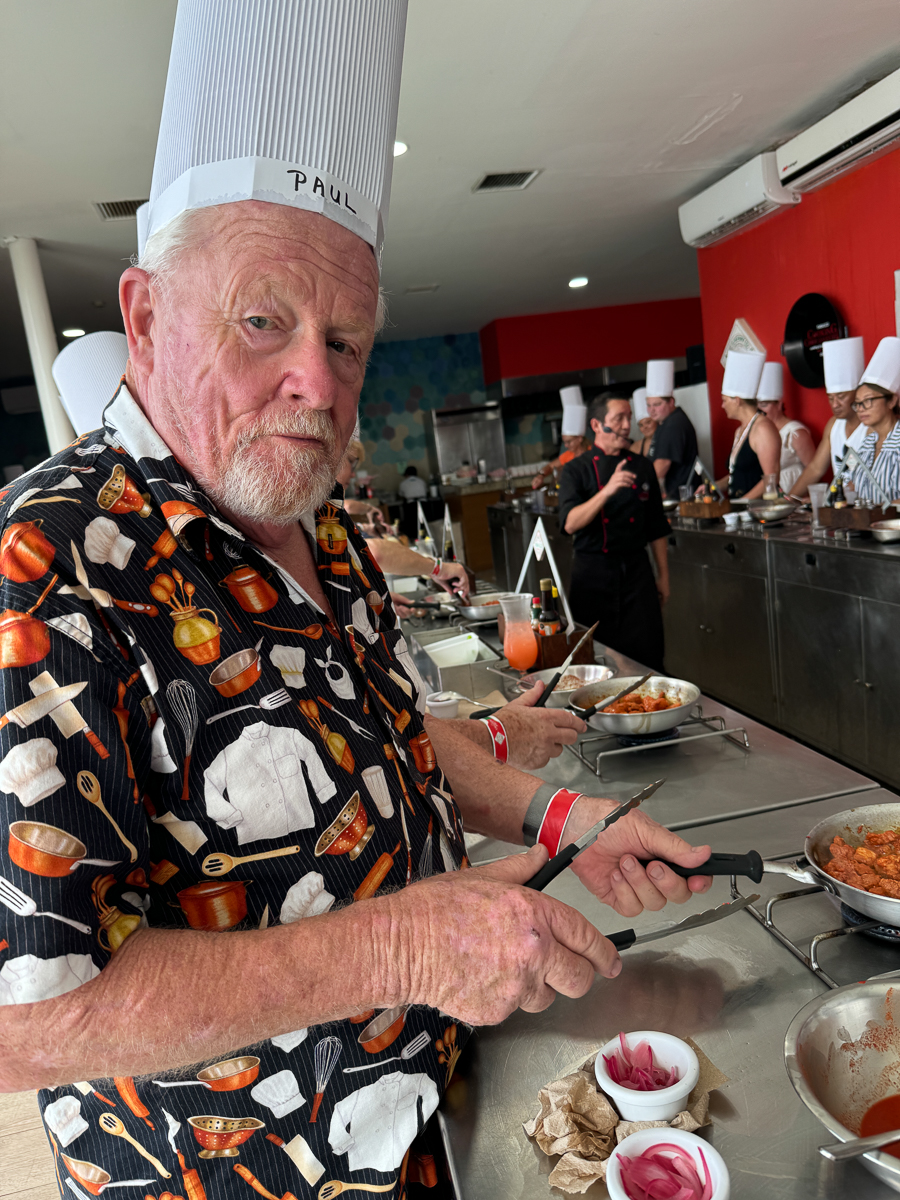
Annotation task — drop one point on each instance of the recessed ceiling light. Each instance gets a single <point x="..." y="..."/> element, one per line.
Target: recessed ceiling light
<point x="578" y="281"/>
<point x="400" y="148"/>
<point x="73" y="333"/>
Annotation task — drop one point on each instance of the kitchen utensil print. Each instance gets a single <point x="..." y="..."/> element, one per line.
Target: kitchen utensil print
<point x="401" y="717"/>
<point x="48" y="851"/>
<point x="126" y="1088"/>
<point x="120" y="712"/>
<point x="66" y="717"/>
<point x="335" y="743"/>
<point x="377" y="875"/>
<point x="89" y="786"/>
<point x="24" y="906"/>
<point x="237" y="672"/>
<point x="183" y="701"/>
<point x="119" y="495"/>
<point x="353" y="725"/>
<point x="448" y="1050"/>
<point x="94" y="1178"/>
<point x="252" y="592"/>
<point x="113" y="1126"/>
<point x="410" y="1050"/>
<point x="391" y="755"/>
<point x="30" y="711"/>
<point x="230" y="1075"/>
<point x="310" y="631"/>
<point x="194" y="636"/>
<point x="249" y="1177"/>
<point x="101" y="598"/>
<point x="221" y="863"/>
<point x="221" y="1136"/>
<point x="24" y="638"/>
<point x="425" y="859"/>
<point x="115" y="926"/>
<point x="25" y="553"/>
<point x="300" y="1154"/>
<point x="334" y="1187"/>
<point x="337" y="675"/>
<point x="325" y="1057"/>
<point x="272" y="700"/>
<point x="349" y="832"/>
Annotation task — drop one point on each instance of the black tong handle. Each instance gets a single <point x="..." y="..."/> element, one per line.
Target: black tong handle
<point x="545" y="694"/>
<point x="555" y="866"/>
<point x="623" y="939"/>
<point x="750" y="864"/>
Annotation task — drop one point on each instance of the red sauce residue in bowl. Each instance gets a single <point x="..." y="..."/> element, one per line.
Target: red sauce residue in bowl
<point x="881" y="1118"/>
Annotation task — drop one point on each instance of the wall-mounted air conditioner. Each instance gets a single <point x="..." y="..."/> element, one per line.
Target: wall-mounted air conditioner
<point x="865" y="126"/>
<point x="746" y="195"/>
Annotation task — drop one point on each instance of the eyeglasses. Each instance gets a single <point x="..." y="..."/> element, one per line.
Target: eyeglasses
<point x="863" y="405"/>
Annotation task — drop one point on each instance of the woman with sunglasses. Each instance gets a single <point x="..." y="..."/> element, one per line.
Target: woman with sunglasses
<point x="876" y="406"/>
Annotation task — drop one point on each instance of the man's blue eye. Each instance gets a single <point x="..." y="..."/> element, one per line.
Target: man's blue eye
<point x="258" y="322"/>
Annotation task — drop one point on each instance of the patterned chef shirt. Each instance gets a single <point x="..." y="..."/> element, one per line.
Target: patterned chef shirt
<point x="174" y="704"/>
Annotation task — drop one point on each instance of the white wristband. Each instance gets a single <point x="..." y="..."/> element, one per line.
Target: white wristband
<point x="436" y="569"/>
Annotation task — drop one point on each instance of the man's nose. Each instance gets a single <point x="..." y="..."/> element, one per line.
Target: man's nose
<point x="308" y="371"/>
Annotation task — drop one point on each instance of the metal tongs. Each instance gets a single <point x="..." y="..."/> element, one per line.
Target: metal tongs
<point x="626" y="937"/>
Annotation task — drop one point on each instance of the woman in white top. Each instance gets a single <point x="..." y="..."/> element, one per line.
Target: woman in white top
<point x="844" y="362"/>
<point x="876" y="407"/>
<point x="797" y="447"/>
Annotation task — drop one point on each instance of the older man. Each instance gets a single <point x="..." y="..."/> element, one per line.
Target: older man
<point x="204" y="676"/>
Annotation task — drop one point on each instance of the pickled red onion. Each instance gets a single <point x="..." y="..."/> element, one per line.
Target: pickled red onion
<point x="665" y="1172"/>
<point x="634" y="1068"/>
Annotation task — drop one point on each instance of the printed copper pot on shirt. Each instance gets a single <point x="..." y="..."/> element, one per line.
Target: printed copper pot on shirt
<point x="195" y="637"/>
<point x="236" y="673"/>
<point x="231" y="1074"/>
<point x="220" y="1136"/>
<point x="423" y="753"/>
<point x="348" y="833"/>
<point x="384" y="1030"/>
<point x="24" y="639"/>
<point x="214" y="904"/>
<point x="330" y="533"/>
<point x="88" y="1174"/>
<point x="25" y="554"/>
<point x="252" y="592"/>
<point x="120" y="495"/>
<point x="44" y="849"/>
<point x="164" y="547"/>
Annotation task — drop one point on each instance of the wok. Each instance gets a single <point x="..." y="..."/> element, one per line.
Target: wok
<point x="771" y="512"/>
<point x="631" y="724"/>
<point x="852" y="826"/>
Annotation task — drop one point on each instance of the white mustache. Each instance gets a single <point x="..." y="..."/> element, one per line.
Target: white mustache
<point x="314" y="425"/>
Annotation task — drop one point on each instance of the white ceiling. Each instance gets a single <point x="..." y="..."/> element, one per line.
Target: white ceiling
<point x="626" y="107"/>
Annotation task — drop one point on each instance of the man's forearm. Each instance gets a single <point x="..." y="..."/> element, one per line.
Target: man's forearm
<point x="170" y="998"/>
<point x="660" y="550"/>
<point x="394" y="559"/>
<point x="661" y="467"/>
<point x="583" y="514"/>
<point x="492" y="796"/>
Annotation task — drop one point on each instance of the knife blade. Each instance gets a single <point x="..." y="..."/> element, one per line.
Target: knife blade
<point x="42" y="705"/>
<point x="627" y="937"/>
<point x="67" y="719"/>
<point x="565" y="858"/>
<point x="545" y="695"/>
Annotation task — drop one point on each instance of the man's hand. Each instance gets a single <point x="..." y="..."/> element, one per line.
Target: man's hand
<point x="452" y="578"/>
<point x="537" y="482"/>
<point x="612" y="868"/>
<point x="537" y="734"/>
<point x="477" y="945"/>
<point x="620" y="478"/>
<point x="403" y="606"/>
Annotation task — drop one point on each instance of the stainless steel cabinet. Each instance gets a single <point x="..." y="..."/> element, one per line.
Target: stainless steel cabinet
<point x="880" y="685"/>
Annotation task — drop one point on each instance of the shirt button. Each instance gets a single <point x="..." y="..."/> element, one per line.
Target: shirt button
<point x="631" y="519"/>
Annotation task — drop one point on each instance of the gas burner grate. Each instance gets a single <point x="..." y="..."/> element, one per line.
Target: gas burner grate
<point x="857" y="923"/>
<point x="714" y="726"/>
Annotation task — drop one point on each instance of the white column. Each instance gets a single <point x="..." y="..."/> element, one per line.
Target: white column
<point x="42" y="344"/>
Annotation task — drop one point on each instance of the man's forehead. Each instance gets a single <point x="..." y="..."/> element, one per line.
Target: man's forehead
<point x="618" y="406"/>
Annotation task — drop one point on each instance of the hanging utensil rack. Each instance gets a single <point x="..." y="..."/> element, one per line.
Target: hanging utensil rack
<point x="714" y="727"/>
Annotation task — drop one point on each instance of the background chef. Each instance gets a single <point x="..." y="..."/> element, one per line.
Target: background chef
<point x="844" y="361"/>
<point x="797" y="446"/>
<point x="673" y="448"/>
<point x="574" y="423"/>
<point x="756" y="450"/>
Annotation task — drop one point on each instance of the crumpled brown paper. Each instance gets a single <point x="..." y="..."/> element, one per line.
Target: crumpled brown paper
<point x="578" y="1122"/>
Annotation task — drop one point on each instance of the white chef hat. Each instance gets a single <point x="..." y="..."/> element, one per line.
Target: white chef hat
<point x="574" y="420"/>
<point x="771" y="385"/>
<point x="30" y="772"/>
<point x="64" y="1118"/>
<point x="87" y="373"/>
<point x="660" y="377"/>
<point x="103" y="543"/>
<point x="571" y="395"/>
<point x="285" y="101"/>
<point x="291" y="662"/>
<point x="884" y="365"/>
<point x="142" y="216"/>
<point x="844" y="360"/>
<point x="639" y="403"/>
<point x="743" y="370"/>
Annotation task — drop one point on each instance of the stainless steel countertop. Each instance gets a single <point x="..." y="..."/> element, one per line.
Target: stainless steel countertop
<point x="731" y="986"/>
<point x="796" y="530"/>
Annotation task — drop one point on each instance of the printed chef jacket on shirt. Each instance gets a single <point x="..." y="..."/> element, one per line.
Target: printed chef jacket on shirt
<point x="175" y="703"/>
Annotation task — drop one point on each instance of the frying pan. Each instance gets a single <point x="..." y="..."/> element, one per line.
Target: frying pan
<point x="852" y="826"/>
<point x="637" y="723"/>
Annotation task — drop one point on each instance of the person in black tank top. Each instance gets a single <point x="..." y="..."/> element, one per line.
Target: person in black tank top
<point x="757" y="446"/>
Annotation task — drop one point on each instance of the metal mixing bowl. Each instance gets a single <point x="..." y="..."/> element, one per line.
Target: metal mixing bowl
<point x="771" y="512"/>
<point x="586" y="673"/>
<point x="842" y="1054"/>
<point x="886" y="531"/>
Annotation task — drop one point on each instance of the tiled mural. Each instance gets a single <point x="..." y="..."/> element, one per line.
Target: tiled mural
<point x="405" y="380"/>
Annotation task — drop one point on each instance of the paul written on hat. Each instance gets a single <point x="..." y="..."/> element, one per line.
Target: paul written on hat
<point x="574" y="420"/>
<point x="743" y="371"/>
<point x="844" y="360"/>
<point x="639" y="403"/>
<point x="771" y="384"/>
<point x="87" y="373"/>
<point x="293" y="103"/>
<point x="884" y="365"/>
<point x="660" y="377"/>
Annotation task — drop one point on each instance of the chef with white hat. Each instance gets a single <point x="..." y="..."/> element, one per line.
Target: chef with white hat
<point x="674" y="445"/>
<point x="250" y="320"/>
<point x="756" y="451"/>
<point x="844" y="361"/>
<point x="574" y="423"/>
<point x="88" y="373"/>
<point x="645" y="422"/>
<point x="797" y="447"/>
<point x="876" y="406"/>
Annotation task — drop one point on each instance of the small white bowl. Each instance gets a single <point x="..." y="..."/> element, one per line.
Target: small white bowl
<point x="732" y="520"/>
<point x="664" y="1103"/>
<point x="644" y="1139"/>
<point x="445" y="709"/>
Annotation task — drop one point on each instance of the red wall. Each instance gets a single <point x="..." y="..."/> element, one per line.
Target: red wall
<point x="550" y="343"/>
<point x="842" y="241"/>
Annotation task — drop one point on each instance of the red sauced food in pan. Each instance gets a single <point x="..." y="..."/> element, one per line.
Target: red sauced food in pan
<point x="873" y="867"/>
<point x="636" y="703"/>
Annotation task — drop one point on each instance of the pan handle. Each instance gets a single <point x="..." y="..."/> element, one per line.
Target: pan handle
<point x="750" y="864"/>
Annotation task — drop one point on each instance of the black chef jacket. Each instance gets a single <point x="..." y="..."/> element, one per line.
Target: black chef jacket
<point x="631" y="518"/>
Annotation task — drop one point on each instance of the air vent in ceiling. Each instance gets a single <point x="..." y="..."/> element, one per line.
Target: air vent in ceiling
<point x="509" y="181"/>
<point x="418" y="289"/>
<point x="117" y="210"/>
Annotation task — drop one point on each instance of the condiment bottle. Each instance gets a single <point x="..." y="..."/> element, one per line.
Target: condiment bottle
<point x="548" y="622"/>
<point x="536" y="613"/>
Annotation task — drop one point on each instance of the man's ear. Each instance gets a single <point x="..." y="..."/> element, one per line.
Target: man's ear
<point x="136" y="301"/>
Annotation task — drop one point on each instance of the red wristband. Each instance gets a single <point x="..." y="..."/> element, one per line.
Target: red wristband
<point x="553" y="825"/>
<point x="499" y="740"/>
